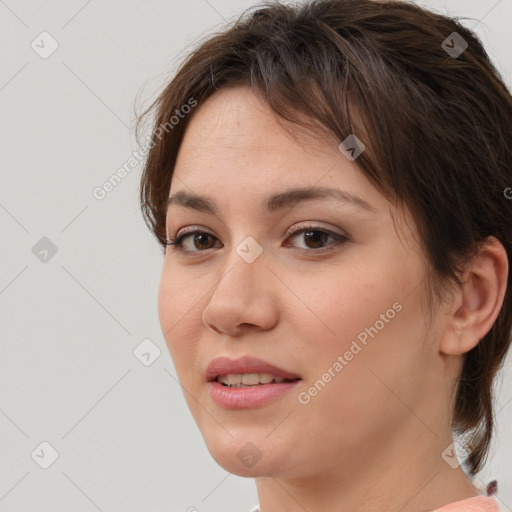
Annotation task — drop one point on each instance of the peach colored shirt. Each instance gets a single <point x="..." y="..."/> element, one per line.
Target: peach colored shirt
<point x="475" y="504"/>
<point x="484" y="502"/>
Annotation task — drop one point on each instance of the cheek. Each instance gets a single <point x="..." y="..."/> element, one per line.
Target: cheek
<point x="341" y="304"/>
<point x="371" y="341"/>
<point x="353" y="386"/>
<point x="179" y="313"/>
<point x="180" y="320"/>
<point x="178" y="297"/>
<point x="370" y="318"/>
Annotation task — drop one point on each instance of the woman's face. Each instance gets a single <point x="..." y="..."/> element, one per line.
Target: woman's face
<point x="322" y="291"/>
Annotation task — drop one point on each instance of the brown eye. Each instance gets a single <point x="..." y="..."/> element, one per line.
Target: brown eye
<point x="201" y="240"/>
<point x="316" y="238"/>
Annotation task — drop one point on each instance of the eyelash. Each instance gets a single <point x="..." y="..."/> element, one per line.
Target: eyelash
<point x="176" y="244"/>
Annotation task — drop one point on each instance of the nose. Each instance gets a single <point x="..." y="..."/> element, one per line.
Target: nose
<point x="245" y="297"/>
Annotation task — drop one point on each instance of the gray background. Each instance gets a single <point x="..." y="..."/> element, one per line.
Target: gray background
<point x="69" y="377"/>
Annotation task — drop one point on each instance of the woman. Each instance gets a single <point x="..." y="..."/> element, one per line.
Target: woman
<point x="328" y="182"/>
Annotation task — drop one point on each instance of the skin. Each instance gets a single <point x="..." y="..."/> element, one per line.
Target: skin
<point x="372" y="439"/>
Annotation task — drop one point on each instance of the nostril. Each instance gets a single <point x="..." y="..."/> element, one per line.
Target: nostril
<point x="215" y="329"/>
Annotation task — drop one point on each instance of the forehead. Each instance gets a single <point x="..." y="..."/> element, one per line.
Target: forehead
<point x="235" y="120"/>
<point x="236" y="150"/>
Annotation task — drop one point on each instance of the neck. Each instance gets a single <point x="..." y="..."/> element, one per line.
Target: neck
<point x="408" y="475"/>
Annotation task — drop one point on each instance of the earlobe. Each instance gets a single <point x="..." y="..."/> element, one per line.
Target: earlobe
<point x="479" y="300"/>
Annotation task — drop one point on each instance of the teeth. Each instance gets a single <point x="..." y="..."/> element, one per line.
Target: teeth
<point x="248" y="379"/>
<point x="266" y="378"/>
<point x="231" y="379"/>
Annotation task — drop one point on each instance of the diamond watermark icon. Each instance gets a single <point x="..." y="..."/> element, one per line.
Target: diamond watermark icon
<point x="44" y="45"/>
<point x="453" y="453"/>
<point x="351" y="147"/>
<point x="146" y="352"/>
<point x="249" y="455"/>
<point x="249" y="249"/>
<point x="454" y="45"/>
<point x="44" y="250"/>
<point x="44" y="455"/>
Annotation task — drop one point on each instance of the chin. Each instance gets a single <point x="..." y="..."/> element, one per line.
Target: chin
<point x="244" y="462"/>
<point x="241" y="456"/>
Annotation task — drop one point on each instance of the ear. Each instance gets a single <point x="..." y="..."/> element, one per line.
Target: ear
<point x="478" y="301"/>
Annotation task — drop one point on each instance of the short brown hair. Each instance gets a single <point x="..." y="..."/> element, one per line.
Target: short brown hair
<point x="437" y="130"/>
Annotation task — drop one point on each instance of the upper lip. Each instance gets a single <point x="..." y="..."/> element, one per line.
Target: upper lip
<point x="245" y="364"/>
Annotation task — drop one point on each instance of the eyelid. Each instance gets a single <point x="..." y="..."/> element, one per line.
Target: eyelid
<point x="301" y="226"/>
<point x="291" y="231"/>
<point x="192" y="229"/>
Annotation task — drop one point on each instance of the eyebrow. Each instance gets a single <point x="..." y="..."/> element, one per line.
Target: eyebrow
<point x="272" y="204"/>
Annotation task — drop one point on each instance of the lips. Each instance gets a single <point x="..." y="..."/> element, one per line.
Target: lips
<point x="248" y="382"/>
<point x="225" y="369"/>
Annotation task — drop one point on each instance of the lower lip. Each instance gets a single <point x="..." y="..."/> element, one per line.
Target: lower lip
<point x="245" y="398"/>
